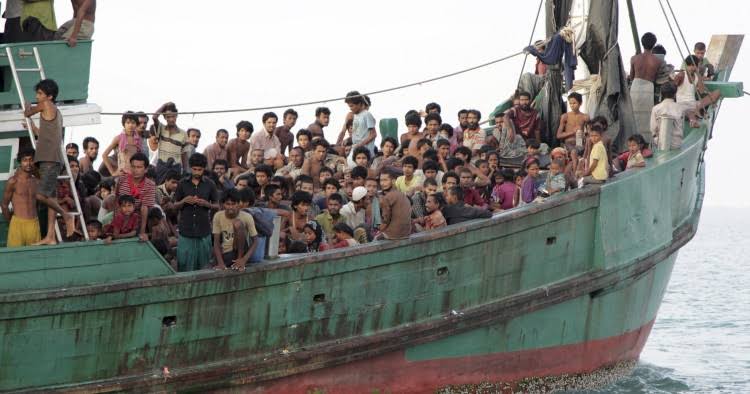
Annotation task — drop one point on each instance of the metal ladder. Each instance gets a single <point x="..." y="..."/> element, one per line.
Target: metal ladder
<point x="68" y="174"/>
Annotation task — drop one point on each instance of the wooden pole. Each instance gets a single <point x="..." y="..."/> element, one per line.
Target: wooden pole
<point x="634" y="28"/>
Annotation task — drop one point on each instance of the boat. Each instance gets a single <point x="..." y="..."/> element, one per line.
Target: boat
<point x="553" y="295"/>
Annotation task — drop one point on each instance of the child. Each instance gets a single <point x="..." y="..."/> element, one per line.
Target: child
<point x="597" y="171"/>
<point x="94" y="228"/>
<point x="555" y="178"/>
<point x="237" y="148"/>
<point x="160" y="232"/>
<point x="528" y="187"/>
<point x="635" y="158"/>
<point x="572" y="123"/>
<point x="126" y="222"/>
<point x="234" y="234"/>
<point x="505" y="192"/>
<point x="313" y="237"/>
<point x="127" y="143"/>
<point x="344" y="237"/>
<point x="409" y="183"/>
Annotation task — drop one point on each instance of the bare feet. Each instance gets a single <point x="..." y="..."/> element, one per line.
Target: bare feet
<point x="70" y="225"/>
<point x="46" y="241"/>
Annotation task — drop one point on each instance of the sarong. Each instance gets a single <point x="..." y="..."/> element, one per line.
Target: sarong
<point x="193" y="253"/>
<point x="23" y="232"/>
<point x="642" y="98"/>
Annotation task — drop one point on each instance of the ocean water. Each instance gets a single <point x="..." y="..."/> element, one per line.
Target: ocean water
<point x="700" y="342"/>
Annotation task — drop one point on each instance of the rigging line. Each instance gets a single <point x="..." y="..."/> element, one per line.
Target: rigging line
<point x="677" y="42"/>
<point x="531" y="38"/>
<point x="304" y="103"/>
<point x="746" y="93"/>
<point x="679" y="29"/>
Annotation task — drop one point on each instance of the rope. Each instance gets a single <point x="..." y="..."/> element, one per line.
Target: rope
<point x="746" y="93"/>
<point x="677" y="23"/>
<point x="531" y="38"/>
<point x="304" y="103"/>
<point x="664" y="11"/>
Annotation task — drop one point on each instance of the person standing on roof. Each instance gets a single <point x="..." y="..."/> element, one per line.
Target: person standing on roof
<point x="644" y="69"/>
<point x="81" y="27"/>
<point x="38" y="20"/>
<point x="363" y="123"/>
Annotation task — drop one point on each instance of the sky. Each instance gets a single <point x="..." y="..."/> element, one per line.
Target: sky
<point x="228" y="54"/>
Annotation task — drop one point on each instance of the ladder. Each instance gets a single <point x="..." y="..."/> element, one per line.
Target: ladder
<point x="66" y="165"/>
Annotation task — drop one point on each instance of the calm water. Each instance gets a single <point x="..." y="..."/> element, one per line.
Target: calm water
<point x="700" y="342"/>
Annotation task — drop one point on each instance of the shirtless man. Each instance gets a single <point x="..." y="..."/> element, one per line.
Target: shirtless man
<point x="572" y="122"/>
<point x="21" y="190"/>
<point x="644" y="69"/>
<point x="316" y="162"/>
<point x="81" y="27"/>
<point x="237" y="148"/>
<point x="322" y="119"/>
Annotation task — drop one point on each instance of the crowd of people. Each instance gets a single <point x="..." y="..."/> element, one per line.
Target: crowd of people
<point x="216" y="208"/>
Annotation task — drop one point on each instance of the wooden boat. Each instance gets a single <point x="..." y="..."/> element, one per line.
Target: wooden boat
<point x="558" y="294"/>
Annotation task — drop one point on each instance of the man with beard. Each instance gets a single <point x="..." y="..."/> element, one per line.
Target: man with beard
<point x="322" y="118"/>
<point x="331" y="216"/>
<point x="525" y="119"/>
<point x="90" y="152"/>
<point x="395" y="209"/>
<point x="141" y="188"/>
<point x="294" y="168"/>
<point x="196" y="196"/>
<point x="458" y="132"/>
<point x="20" y="190"/>
<point x="474" y="136"/>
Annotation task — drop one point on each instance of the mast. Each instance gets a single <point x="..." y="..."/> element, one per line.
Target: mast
<point x="634" y="28"/>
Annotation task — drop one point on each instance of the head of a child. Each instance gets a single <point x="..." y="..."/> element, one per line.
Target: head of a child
<point x="94" y="228"/>
<point x="325" y="173"/>
<point x="359" y="174"/>
<point x="483" y="166"/>
<point x="430" y="169"/>
<point x="361" y="156"/>
<point x="555" y="167"/>
<point x="305" y="183"/>
<point x="129" y="122"/>
<point x="466" y="178"/>
<point x="691" y="63"/>
<point x="263" y="174"/>
<point x="388" y="146"/>
<point x="194" y="136"/>
<point x="532" y="147"/>
<point x="247" y="197"/>
<point x="154" y="217"/>
<point x="331" y="186"/>
<point x="633" y="145"/>
<point x="532" y="169"/>
<point x="371" y="184"/>
<point x="430" y="186"/>
<point x="356" y="102"/>
<point x="231" y="203"/>
<point x="450" y="180"/>
<point x="409" y="164"/>
<point x="413" y="123"/>
<point x="519" y="177"/>
<point x="244" y="130"/>
<point x="171" y="180"/>
<point x="574" y="101"/>
<point x="313" y="233"/>
<point x="126" y="204"/>
<point x="46" y="91"/>
<point x="434" y="202"/>
<point x="463" y="153"/>
<point x="304" y="138"/>
<point x="343" y="231"/>
<point x="301" y="202"/>
<point x="595" y="134"/>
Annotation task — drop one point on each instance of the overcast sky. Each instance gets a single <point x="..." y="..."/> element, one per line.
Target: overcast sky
<point x="233" y="54"/>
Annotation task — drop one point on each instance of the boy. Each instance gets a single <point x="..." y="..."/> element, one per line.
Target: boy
<point x="556" y="182"/>
<point x="412" y="135"/>
<point x="48" y="155"/>
<point x="169" y="140"/>
<point x="635" y="159"/>
<point x="126" y="222"/>
<point x="21" y="190"/>
<point x="284" y="132"/>
<point x="597" y="171"/>
<point x="409" y="182"/>
<point x="193" y="138"/>
<point x="395" y="209"/>
<point x="344" y="236"/>
<point x="94" y="228"/>
<point x="237" y="148"/>
<point x="572" y="123"/>
<point x="304" y="140"/>
<point x="419" y="199"/>
<point x="231" y="230"/>
<point x="217" y="150"/>
<point x="363" y="123"/>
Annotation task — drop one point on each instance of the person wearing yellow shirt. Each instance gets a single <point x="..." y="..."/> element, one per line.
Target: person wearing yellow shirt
<point x="409" y="182"/>
<point x="597" y="171"/>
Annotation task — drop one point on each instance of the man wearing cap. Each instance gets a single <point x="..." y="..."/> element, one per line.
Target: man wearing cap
<point x="354" y="213"/>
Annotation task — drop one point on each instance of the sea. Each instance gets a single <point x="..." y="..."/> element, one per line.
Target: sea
<point x="700" y="342"/>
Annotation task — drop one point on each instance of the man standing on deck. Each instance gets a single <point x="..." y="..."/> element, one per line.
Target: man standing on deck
<point x="322" y="118"/>
<point x="21" y="191"/>
<point x="643" y="73"/>
<point x="81" y="27"/>
<point x="170" y="140"/>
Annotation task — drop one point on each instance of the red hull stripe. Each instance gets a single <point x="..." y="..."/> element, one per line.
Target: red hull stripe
<point x="393" y="373"/>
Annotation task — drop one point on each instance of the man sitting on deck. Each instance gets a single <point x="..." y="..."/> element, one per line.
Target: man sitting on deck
<point x="668" y="108"/>
<point x="524" y="119"/>
<point x="455" y="211"/>
<point x="20" y="190"/>
<point x="705" y="68"/>
<point x="643" y="72"/>
<point x="81" y="27"/>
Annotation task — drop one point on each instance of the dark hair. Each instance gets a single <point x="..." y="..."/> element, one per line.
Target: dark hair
<point x="413" y="120"/>
<point x="699" y="46"/>
<point x="422" y="142"/>
<point x="232" y="195"/>
<point x="125" y="198"/>
<point x="88" y="140"/>
<point x="304" y="132"/>
<point x="297" y="246"/>
<point x="171" y="107"/>
<point x="322" y="110"/>
<point x="442" y="142"/>
<point x="463" y="112"/>
<point x="244" y="124"/>
<point x="600" y="120"/>
<point x="458" y="192"/>
<point x="464" y="151"/>
<point x="668" y="90"/>
<point x="221" y="162"/>
<point x="107" y="184"/>
<point x="499" y="114"/>
<point x="597" y="128"/>
<point x="392" y="140"/>
<point x="430" y="106"/>
<point x="270" y="189"/>
<point x="430" y="165"/>
<point x="439" y="199"/>
<point x="659" y="50"/>
<point x="361" y="150"/>
<point x="139" y="156"/>
<point x="95" y="223"/>
<point x="318" y="230"/>
<point x="320" y="142"/>
<point x="508" y="174"/>
<point x="433" y="116"/>
<point x="48" y="87"/>
<point x="336" y="197"/>
<point x="359" y="172"/>
<point x="410" y="160"/>
<point x="354" y="97"/>
<point x="247" y="195"/>
<point x="532" y="143"/>
<point x="331" y="181"/>
<point x="476" y="113"/>
<point x="222" y="131"/>
<point x="532" y="161"/>
<point x="198" y="160"/>
<point x="129" y="115"/>
<point x="25" y="152"/>
<point x="648" y="40"/>
<point x="269" y="115"/>
<point x="302" y="178"/>
<point x="430" y="155"/>
<point x="300" y="197"/>
<point x="524" y="94"/>
<point x="453" y="162"/>
<point x="692" y="60"/>
<point x="390" y="173"/>
<point x="430" y="181"/>
<point x="450" y="174"/>
<point x="155" y="213"/>
<point x="172" y="175"/>
<point x="292" y="112"/>
<point x="326" y="169"/>
<point x="72" y="145"/>
<point x="72" y="159"/>
<point x="266" y="169"/>
<point x="342" y="227"/>
<point x="193" y="129"/>
<point x="576" y="96"/>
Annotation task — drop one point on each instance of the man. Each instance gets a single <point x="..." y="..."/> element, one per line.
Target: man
<point x="38" y="20"/>
<point x="395" y="209"/>
<point x="170" y="140"/>
<point x="196" y="196"/>
<point x="220" y="169"/>
<point x="232" y="228"/>
<point x="331" y="215"/>
<point x="316" y="162"/>
<point x="141" y="188"/>
<point x="21" y="190"/>
<point x="458" y="132"/>
<point x="81" y="27"/>
<point x="524" y="119"/>
<point x="675" y="112"/>
<point x="354" y="213"/>
<point x="237" y="148"/>
<point x="90" y="153"/>
<point x="296" y="161"/>
<point x="691" y="92"/>
<point x="284" y="132"/>
<point x="705" y="69"/>
<point x="266" y="140"/>
<point x="72" y="150"/>
<point x="165" y="194"/>
<point x="217" y="150"/>
<point x="644" y="69"/>
<point x="12" y="15"/>
<point x="474" y="136"/>
<point x="455" y="211"/>
<point x="363" y="123"/>
<point x="322" y="119"/>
